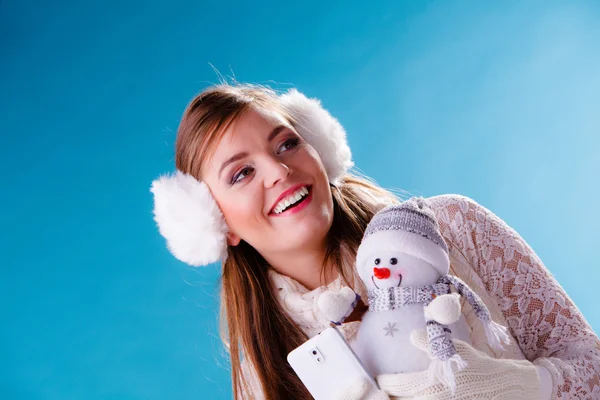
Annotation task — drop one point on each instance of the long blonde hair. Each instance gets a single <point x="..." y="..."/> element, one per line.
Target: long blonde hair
<point x="253" y="324"/>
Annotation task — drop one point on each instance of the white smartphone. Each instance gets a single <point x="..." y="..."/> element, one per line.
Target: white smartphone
<point x="326" y="365"/>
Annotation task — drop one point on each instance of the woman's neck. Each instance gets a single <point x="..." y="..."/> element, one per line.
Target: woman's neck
<point x="304" y="266"/>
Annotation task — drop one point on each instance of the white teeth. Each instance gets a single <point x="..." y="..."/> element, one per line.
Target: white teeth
<point x="291" y="199"/>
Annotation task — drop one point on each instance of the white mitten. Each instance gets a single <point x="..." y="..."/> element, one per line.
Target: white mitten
<point x="483" y="377"/>
<point x="444" y="309"/>
<point x="337" y="305"/>
<point x="357" y="391"/>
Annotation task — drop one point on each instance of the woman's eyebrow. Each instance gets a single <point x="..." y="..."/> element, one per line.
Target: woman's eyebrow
<point x="275" y="132"/>
<point x="234" y="158"/>
<point x="239" y="156"/>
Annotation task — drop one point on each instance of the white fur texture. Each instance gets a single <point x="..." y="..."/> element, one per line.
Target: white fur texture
<point x="190" y="219"/>
<point x="322" y="131"/>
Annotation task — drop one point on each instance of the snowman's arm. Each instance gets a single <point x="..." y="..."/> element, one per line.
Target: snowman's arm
<point x="444" y="309"/>
<point x="337" y="306"/>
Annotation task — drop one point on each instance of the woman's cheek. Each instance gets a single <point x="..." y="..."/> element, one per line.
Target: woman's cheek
<point x="241" y="210"/>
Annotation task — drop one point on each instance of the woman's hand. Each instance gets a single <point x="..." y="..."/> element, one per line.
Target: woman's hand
<point x="483" y="378"/>
<point x="358" y="391"/>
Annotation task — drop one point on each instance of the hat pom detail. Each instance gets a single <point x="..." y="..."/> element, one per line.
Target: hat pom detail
<point x="189" y="219"/>
<point x="322" y="131"/>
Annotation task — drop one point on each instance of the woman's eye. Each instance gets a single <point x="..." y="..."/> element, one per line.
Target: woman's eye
<point x="393" y="261"/>
<point x="242" y="174"/>
<point x="288" y="144"/>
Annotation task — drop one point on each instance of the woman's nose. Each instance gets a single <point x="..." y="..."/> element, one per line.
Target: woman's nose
<point x="276" y="171"/>
<point x="381" y="273"/>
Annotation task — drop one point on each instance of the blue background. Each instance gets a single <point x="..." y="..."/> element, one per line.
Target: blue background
<point x="496" y="101"/>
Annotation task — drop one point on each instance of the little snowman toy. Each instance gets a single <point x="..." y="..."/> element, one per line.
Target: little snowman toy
<point x="403" y="262"/>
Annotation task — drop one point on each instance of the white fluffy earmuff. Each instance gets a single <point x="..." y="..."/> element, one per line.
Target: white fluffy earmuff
<point x="188" y="216"/>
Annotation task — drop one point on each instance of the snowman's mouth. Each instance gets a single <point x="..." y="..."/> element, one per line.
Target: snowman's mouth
<point x="398" y="285"/>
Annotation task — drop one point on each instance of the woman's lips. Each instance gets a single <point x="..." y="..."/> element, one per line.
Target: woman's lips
<point x="298" y="206"/>
<point x="286" y="193"/>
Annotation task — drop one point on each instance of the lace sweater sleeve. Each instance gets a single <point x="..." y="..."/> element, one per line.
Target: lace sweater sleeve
<point x="547" y="325"/>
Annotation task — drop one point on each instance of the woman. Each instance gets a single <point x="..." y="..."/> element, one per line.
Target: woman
<point x="263" y="186"/>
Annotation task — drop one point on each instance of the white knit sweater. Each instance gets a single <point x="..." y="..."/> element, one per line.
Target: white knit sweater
<point x="519" y="291"/>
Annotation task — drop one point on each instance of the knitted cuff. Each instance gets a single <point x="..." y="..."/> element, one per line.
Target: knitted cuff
<point x="546" y="386"/>
<point x="530" y="379"/>
<point x="555" y="373"/>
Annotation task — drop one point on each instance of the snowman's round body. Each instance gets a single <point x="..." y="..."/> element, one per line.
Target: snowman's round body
<point x="383" y="340"/>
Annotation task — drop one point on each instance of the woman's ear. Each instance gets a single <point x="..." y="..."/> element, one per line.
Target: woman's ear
<point x="232" y="239"/>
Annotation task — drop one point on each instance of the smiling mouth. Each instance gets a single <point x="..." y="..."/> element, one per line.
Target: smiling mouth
<point x="373" y="280"/>
<point x="296" y="204"/>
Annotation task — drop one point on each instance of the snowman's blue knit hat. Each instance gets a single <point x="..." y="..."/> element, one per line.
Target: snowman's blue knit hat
<point x="416" y="229"/>
<point x="413" y="215"/>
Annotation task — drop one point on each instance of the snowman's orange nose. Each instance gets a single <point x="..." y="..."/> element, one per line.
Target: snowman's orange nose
<point x="381" y="273"/>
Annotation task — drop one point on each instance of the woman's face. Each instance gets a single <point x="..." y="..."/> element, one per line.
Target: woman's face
<point x="271" y="186"/>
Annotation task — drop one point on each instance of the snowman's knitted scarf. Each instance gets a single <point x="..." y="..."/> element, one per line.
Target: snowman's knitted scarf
<point x="440" y="337"/>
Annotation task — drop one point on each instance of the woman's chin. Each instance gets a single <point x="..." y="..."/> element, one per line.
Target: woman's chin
<point x="303" y="235"/>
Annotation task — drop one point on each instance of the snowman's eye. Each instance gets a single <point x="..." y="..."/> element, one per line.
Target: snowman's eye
<point x="393" y="261"/>
<point x="377" y="261"/>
